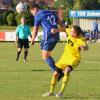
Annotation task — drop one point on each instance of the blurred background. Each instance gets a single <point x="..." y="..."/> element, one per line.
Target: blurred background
<point x="9" y="16"/>
<point x="70" y="11"/>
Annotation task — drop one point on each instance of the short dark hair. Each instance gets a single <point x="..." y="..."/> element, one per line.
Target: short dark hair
<point x="32" y="6"/>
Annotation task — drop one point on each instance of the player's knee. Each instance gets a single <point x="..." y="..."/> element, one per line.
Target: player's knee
<point x="68" y="69"/>
<point x="44" y="57"/>
<point x="26" y="50"/>
<point x="55" y="74"/>
<point x="19" y="49"/>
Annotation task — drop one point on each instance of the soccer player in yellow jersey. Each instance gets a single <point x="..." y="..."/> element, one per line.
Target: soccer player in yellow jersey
<point x="70" y="58"/>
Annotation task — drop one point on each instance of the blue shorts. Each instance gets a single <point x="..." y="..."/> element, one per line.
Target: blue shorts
<point x="48" y="46"/>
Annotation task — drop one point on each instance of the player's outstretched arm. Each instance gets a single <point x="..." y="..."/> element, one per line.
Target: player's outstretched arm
<point x="34" y="34"/>
<point x="84" y="47"/>
<point x="54" y="31"/>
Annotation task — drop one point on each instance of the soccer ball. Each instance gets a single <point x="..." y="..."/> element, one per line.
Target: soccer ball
<point x="21" y="7"/>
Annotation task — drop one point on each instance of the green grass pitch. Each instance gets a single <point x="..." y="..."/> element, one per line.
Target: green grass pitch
<point x="28" y="81"/>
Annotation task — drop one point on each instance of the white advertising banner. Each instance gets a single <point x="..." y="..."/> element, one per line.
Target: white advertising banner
<point x="10" y="36"/>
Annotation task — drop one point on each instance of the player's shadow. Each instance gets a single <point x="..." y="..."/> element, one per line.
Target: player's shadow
<point x="46" y="70"/>
<point x="40" y="70"/>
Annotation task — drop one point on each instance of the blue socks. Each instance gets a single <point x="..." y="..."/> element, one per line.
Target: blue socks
<point x="51" y="63"/>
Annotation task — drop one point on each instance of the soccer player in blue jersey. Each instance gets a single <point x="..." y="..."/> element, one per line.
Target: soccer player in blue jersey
<point x="48" y="20"/>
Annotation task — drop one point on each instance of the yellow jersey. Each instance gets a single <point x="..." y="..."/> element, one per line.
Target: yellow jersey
<point x="73" y="45"/>
<point x="71" y="55"/>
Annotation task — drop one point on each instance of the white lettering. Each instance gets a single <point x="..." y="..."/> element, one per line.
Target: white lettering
<point x="93" y="14"/>
<point x="81" y="13"/>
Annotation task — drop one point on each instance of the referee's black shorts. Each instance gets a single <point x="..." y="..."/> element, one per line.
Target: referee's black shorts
<point x="23" y="43"/>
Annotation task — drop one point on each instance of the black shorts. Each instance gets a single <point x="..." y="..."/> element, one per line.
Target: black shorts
<point x="23" y="42"/>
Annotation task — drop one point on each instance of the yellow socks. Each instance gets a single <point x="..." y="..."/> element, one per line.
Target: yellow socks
<point x="64" y="82"/>
<point x="53" y="84"/>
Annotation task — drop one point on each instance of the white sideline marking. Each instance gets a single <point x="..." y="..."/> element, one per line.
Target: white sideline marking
<point x="91" y="61"/>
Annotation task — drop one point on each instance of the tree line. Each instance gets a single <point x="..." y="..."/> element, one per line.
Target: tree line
<point x="12" y="18"/>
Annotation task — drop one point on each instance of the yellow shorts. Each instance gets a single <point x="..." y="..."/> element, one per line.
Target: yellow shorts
<point x="64" y="62"/>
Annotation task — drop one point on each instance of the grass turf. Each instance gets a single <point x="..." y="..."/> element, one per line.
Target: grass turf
<point x="28" y="81"/>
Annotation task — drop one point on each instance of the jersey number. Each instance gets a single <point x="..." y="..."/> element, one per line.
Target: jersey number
<point x="52" y="20"/>
<point x="70" y="42"/>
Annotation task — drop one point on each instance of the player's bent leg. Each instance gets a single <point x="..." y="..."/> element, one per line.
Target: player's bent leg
<point x="61" y="74"/>
<point x="18" y="53"/>
<point x="45" y="54"/>
<point x="65" y="80"/>
<point x="54" y="81"/>
<point x="49" y="60"/>
<point x="25" y="54"/>
<point x="19" y="49"/>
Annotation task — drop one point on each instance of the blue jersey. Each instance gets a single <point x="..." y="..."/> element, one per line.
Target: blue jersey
<point x="48" y="20"/>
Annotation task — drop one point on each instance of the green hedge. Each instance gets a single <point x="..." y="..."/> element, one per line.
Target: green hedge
<point x="13" y="18"/>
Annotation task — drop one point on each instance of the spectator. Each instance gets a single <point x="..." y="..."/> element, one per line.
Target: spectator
<point x="99" y="26"/>
<point x="95" y="31"/>
<point x="88" y="36"/>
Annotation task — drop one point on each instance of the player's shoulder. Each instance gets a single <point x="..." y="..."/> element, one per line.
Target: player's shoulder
<point x="47" y="12"/>
<point x="40" y="14"/>
<point x="81" y="39"/>
<point x="68" y="30"/>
